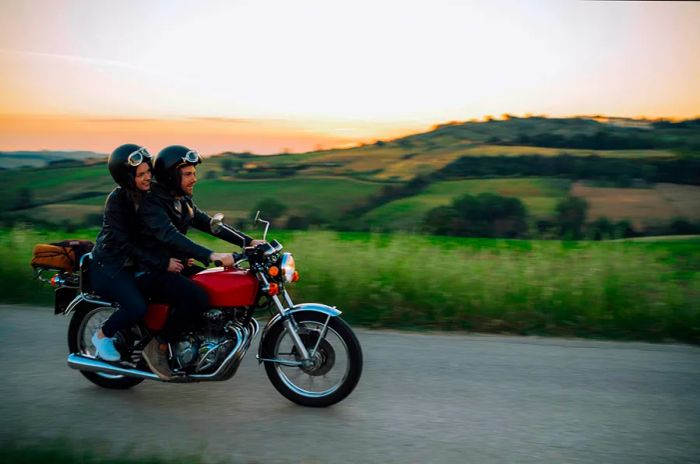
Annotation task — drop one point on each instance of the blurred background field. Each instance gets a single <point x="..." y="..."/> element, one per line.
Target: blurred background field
<point x="645" y="290"/>
<point x="646" y="173"/>
<point x="520" y="225"/>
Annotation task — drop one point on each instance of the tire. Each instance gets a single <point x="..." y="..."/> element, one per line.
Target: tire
<point x="83" y="324"/>
<point x="339" y="350"/>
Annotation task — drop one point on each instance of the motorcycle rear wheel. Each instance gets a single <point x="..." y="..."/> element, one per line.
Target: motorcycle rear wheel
<point x="338" y="361"/>
<point x="82" y="326"/>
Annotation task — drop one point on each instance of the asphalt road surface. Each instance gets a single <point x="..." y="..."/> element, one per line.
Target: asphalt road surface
<point x="422" y="398"/>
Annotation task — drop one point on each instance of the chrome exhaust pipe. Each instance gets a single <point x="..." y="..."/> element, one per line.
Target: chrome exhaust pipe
<point x="83" y="363"/>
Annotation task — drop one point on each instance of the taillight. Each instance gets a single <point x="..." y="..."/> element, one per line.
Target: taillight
<point x="57" y="280"/>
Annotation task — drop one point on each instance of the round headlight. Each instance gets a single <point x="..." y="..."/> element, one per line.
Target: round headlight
<point x="288" y="267"/>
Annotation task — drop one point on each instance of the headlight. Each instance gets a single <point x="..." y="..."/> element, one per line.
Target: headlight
<point x="288" y="267"/>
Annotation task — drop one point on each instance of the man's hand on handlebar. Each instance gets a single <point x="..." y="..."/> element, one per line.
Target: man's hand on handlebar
<point x="222" y="259"/>
<point x="255" y="243"/>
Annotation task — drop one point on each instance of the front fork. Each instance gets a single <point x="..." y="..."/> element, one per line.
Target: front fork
<point x="307" y="358"/>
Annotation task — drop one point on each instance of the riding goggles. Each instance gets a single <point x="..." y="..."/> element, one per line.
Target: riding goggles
<point x="138" y="157"/>
<point x="191" y="157"/>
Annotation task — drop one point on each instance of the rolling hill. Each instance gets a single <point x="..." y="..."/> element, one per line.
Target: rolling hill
<point x="616" y="164"/>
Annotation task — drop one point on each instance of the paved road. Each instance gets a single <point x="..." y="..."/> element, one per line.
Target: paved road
<point x="422" y="398"/>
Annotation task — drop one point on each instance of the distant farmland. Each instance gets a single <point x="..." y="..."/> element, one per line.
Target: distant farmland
<point x="539" y="195"/>
<point x="643" y="207"/>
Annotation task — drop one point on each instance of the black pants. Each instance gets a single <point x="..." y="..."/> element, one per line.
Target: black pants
<point x="121" y="288"/>
<point x="187" y="300"/>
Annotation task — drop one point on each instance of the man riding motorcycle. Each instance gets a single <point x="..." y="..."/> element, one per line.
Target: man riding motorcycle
<point x="166" y="213"/>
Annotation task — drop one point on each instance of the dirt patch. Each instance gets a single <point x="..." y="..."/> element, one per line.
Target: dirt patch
<point x="643" y="207"/>
<point x="684" y="198"/>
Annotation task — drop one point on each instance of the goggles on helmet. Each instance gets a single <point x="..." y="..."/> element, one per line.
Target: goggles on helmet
<point x="138" y="157"/>
<point x="191" y="157"/>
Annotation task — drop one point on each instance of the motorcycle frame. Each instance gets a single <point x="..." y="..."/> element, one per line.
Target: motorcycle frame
<point x="244" y="338"/>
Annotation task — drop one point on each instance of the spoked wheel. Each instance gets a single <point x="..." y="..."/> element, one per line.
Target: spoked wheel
<point x="336" y="366"/>
<point x="82" y="326"/>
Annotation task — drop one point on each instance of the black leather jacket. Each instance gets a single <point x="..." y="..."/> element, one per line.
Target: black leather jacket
<point x="164" y="220"/>
<point x="117" y="243"/>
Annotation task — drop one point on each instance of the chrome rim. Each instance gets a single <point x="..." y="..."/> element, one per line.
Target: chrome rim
<point x="94" y="320"/>
<point x="331" y="366"/>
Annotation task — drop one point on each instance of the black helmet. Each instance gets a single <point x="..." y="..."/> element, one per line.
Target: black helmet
<point x="169" y="161"/>
<point x="123" y="163"/>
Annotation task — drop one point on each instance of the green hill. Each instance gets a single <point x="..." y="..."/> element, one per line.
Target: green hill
<point x="537" y="160"/>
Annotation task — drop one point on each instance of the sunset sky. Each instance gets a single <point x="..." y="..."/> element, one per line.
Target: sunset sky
<point x="270" y="75"/>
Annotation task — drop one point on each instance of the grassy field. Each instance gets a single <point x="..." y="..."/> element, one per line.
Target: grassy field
<point x="646" y="290"/>
<point x="539" y="195"/>
<point x="330" y="196"/>
<point x="236" y="198"/>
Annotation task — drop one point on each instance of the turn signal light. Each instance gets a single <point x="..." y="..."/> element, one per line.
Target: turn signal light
<point x="273" y="271"/>
<point x="274" y="289"/>
<point x="295" y="276"/>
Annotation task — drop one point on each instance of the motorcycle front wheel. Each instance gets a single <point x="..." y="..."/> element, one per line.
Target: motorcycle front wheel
<point x="337" y="360"/>
<point x="82" y="326"/>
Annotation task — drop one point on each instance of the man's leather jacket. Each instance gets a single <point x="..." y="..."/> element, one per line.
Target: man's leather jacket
<point x="117" y="243"/>
<point x="165" y="219"/>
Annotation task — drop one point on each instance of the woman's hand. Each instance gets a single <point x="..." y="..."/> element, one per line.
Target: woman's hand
<point x="175" y="265"/>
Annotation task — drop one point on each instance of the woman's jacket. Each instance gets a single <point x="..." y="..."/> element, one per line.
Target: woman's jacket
<point x="117" y="243"/>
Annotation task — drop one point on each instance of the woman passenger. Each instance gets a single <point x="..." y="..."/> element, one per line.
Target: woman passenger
<point x="116" y="254"/>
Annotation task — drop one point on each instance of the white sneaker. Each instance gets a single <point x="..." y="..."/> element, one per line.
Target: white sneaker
<point x="105" y="348"/>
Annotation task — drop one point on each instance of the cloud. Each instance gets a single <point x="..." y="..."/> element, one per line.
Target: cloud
<point x="75" y="59"/>
<point x="120" y="120"/>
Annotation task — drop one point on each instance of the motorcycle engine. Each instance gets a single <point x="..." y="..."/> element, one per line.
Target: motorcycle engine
<point x="206" y="348"/>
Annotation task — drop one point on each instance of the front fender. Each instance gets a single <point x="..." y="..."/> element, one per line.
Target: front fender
<point x="315" y="307"/>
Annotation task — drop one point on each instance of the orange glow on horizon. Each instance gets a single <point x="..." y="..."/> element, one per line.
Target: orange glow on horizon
<point x="208" y="135"/>
<point x="217" y="135"/>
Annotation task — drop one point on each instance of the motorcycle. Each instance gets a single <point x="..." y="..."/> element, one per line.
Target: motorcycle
<point x="311" y="356"/>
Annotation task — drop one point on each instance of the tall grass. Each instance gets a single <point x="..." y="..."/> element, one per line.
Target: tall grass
<point x="622" y="290"/>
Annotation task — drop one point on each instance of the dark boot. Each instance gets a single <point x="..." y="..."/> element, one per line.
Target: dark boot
<point x="156" y="355"/>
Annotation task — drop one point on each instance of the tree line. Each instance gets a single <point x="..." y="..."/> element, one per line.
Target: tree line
<point x="494" y="216"/>
<point x="618" y="171"/>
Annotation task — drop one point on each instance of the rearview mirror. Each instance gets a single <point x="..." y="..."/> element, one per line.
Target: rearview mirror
<point x="267" y="223"/>
<point x="216" y="223"/>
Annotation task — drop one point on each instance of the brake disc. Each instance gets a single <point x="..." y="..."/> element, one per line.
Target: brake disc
<point x="324" y="358"/>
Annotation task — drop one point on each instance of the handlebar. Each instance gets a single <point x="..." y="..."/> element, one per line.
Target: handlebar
<point x="266" y="248"/>
<point x="236" y="257"/>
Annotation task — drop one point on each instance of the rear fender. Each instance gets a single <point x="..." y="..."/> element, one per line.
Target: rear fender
<point x="277" y="319"/>
<point x="83" y="299"/>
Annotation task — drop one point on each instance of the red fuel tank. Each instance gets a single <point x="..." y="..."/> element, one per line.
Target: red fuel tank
<point x="228" y="287"/>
